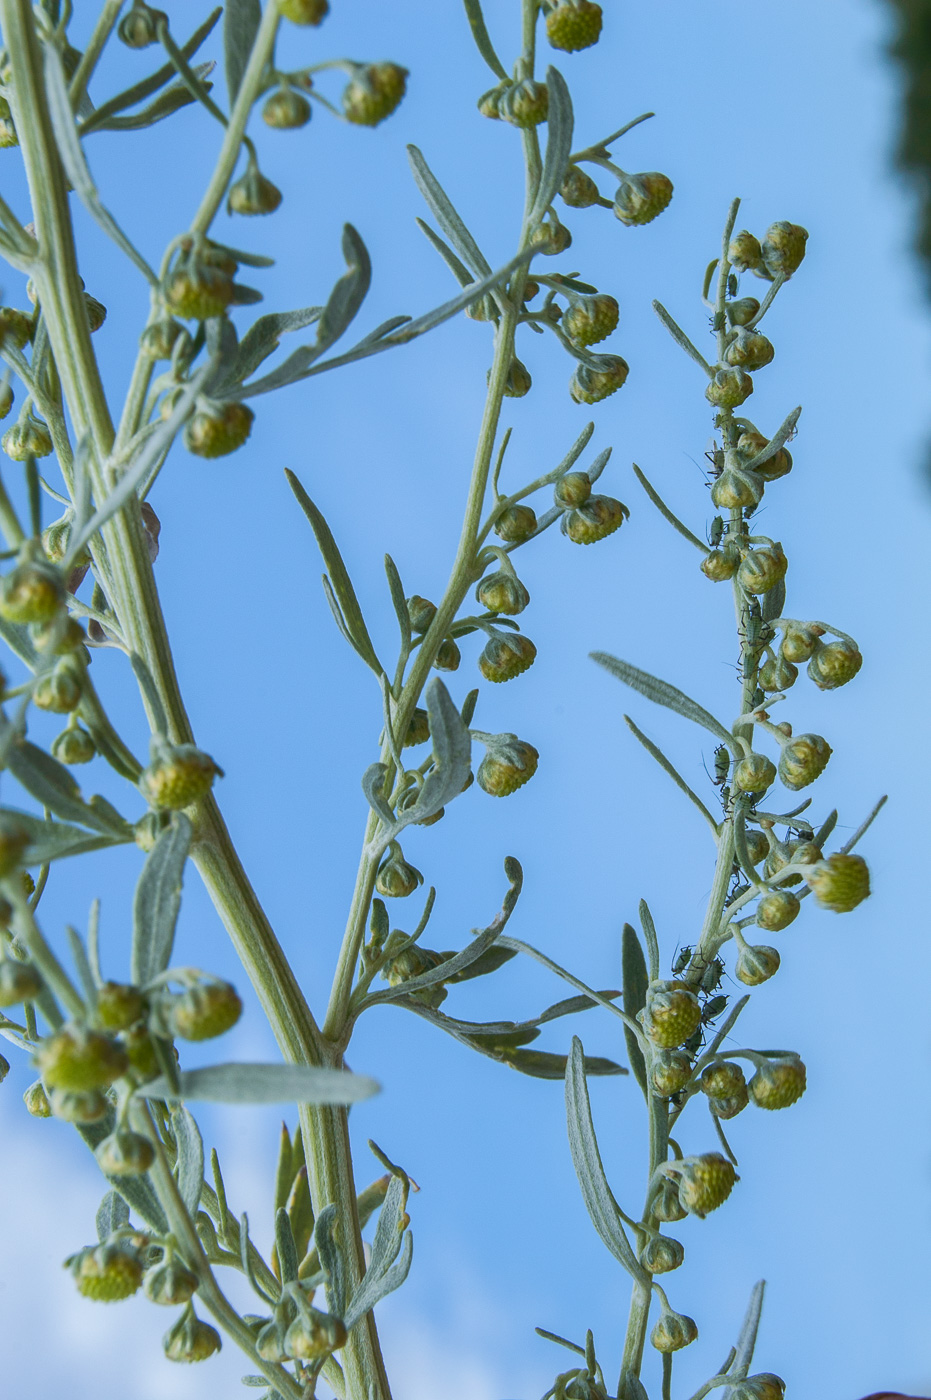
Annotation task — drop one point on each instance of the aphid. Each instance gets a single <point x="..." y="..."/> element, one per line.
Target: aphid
<point x="712" y="1009"/>
<point x="732" y="284"/>
<point x="716" y="457"/>
<point x="716" y="533"/>
<point x="711" y="977"/>
<point x="735" y="894"/>
<point x="682" y="960"/>
<point x="722" y="764"/>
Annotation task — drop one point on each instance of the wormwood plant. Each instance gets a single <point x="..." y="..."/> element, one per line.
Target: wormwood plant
<point x="105" y="1050"/>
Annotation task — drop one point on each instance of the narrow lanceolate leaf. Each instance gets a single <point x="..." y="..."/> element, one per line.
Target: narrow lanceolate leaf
<point x="661" y="693"/>
<point x="241" y="19"/>
<point x="165" y="105"/>
<point x="391" y="1235"/>
<point x="774" y="600"/>
<point x="158" y="900"/>
<point x="559" y="123"/>
<point x="285" y="1247"/>
<point x="542" y="1064"/>
<point x="635" y="978"/>
<point x="461" y="273"/>
<point x="51" y="784"/>
<point x="190" y="1168"/>
<point x="673" y="772"/>
<point x="778" y="440"/>
<point x="348" y="293"/>
<point x="50" y="841"/>
<point x="264" y="337"/>
<point x="141" y="90"/>
<point x="586" y="1158"/>
<point x="112" y="1214"/>
<point x="746" y="1342"/>
<point x="482" y="41"/>
<point x="443" y="210"/>
<point x="264" y="1083"/>
<point x="372" y="780"/>
<point x="331" y="1260"/>
<point x="452" y="752"/>
<point x="399" y="602"/>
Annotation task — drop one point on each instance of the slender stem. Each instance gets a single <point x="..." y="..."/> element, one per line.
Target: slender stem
<point x="95" y="46"/>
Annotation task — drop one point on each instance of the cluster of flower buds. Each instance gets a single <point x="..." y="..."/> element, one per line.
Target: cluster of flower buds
<point x="296" y="1330"/>
<point x="831" y="664"/>
<point x="405" y="960"/>
<point x="779" y="255"/>
<point x="586" y="518"/>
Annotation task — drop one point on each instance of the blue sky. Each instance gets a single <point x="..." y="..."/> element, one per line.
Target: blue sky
<point x="795" y="113"/>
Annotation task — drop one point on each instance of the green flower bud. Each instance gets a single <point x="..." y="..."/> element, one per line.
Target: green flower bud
<point x="777" y="674"/>
<point x="755" y="773"/>
<point x="304" y="11"/>
<point x="199" y="292"/>
<point x="672" y="1014"/>
<point x="396" y="879"/>
<point x="835" y="663"/>
<point x="106" y="1272"/>
<point x="803" y="760"/>
<point x="418" y="730"/>
<point x="757" y="845"/>
<point x="448" y="656"/>
<point x="96" y="312"/>
<point x="578" y="189"/>
<point x="518" y="382"/>
<point x="761" y="569"/>
<point x="737" y="490"/>
<point x="6" y="398"/>
<point x="744" y="252"/>
<point x="705" y="1182"/>
<point x="14" y="838"/>
<point x="670" y="1071"/>
<point x="840" y="883"/>
<point x="756" y="964"/>
<point x="502" y="593"/>
<point x="59" y="692"/>
<point x="19" y="981"/>
<point x="742" y="311"/>
<point x="783" y="248"/>
<point x="573" y="24"/>
<point x="286" y="110"/>
<point x="190" y="1339"/>
<point x="73" y="745"/>
<point x="776" y="910"/>
<point x="551" y="238"/>
<point x="139" y="28"/>
<point x="8" y="136"/>
<point x="27" y="438"/>
<point x="203" y="1011"/>
<point x="749" y="350"/>
<point x="505" y="656"/>
<point x="78" y="1106"/>
<point x="169" y="1283"/>
<point x="524" y="104"/>
<point x="76" y="1057"/>
<point x="599" y="517"/>
<point x="314" y="1334"/>
<point x="778" y="1083"/>
<point x="666" y="1204"/>
<point x="799" y="643"/>
<point x="124" y="1153"/>
<point x="159" y="339"/>
<point x="673" y="1332"/>
<point x="660" y="1254"/>
<point x="59" y="637"/>
<point x="722" y="1078"/>
<point x="592" y="384"/>
<point x="780" y="464"/>
<point x="721" y="564"/>
<point x="641" y="198"/>
<point x="180" y="775"/>
<point x="730" y="1106"/>
<point x="217" y="429"/>
<point x="729" y="388"/>
<point x="139" y="1046"/>
<point x="591" y="319"/>
<point x="36" y="1100"/>
<point x="508" y="764"/>
<point x="375" y="91"/>
<point x="516" y="524"/>
<point x="421" y="613"/>
<point x="763" y="1386"/>
<point x="489" y="103"/>
<point x="252" y="193"/>
<point x="573" y="489"/>
<point x="119" y="1006"/>
<point x="15" y="328"/>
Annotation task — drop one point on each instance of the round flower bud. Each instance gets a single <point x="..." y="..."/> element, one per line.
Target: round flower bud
<point x="799" y="644"/>
<point x="448" y="656"/>
<point x="573" y="489"/>
<point x="578" y="189"/>
<point x="204" y="1011"/>
<point x="742" y="311"/>
<point x="525" y="103"/>
<point x="749" y="350"/>
<point x="124" y="1153"/>
<point x="179" y="775"/>
<point x="673" y="1332"/>
<point x="107" y="1272"/>
<point x="730" y="1106"/>
<point x="490" y="102"/>
<point x="757" y="845"/>
<point x="18" y="982"/>
<point x="761" y="569"/>
<point x="591" y="319"/>
<point x="218" y="428"/>
<point x="76" y="1057"/>
<point x="60" y="636"/>
<point x="516" y="524"/>
<point x="502" y="593"/>
<point x="776" y="910"/>
<point x="60" y="692"/>
<point x="803" y="760"/>
<point x="721" y="1079"/>
<point x="672" y="1014"/>
<point x="784" y="248"/>
<point x="8" y="136"/>
<point x="158" y="340"/>
<point x="755" y="773"/>
<point x="138" y="1044"/>
<point x="834" y="664"/>
<point x="252" y="193"/>
<point x="729" y="388"/>
<point x="720" y="565"/>
<point x="418" y="730"/>
<point x="190" y="1339"/>
<point x="138" y="29"/>
<point x="666" y="1206"/>
<point x="778" y="465"/>
<point x="763" y="1386"/>
<point x="551" y="238"/>
<point x="509" y="763"/>
<point x="96" y="312"/>
<point x="27" y="438"/>
<point x="778" y="1083"/>
<point x="36" y="1100"/>
<point x="756" y="964"/>
<point x="78" y="1106"/>
<point x="599" y="517"/>
<point x="286" y="110"/>
<point x="744" y="252"/>
<point x="660" y="1254"/>
<point x="518" y="382"/>
<point x="14" y="838"/>
<point x="641" y="198"/>
<point x="6" y="398"/>
<point x="199" y="292"/>
<point x="421" y="613"/>
<point x="670" y="1071"/>
<point x="313" y="1335"/>
<point x="592" y="384"/>
<point x="396" y="879"/>
<point x="119" y="1006"/>
<point x="304" y="11"/>
<point x="705" y="1182"/>
<point x="169" y="1283"/>
<point x="777" y="674"/>
<point x="573" y="24"/>
<point x="15" y="328"/>
<point x="73" y="746"/>
<point x="737" y="490"/>
<point x="374" y="92"/>
<point x="506" y="656"/>
<point x="840" y="883"/>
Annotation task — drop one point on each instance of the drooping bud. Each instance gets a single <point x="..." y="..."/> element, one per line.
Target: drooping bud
<point x="304" y="11"/>
<point x="777" y="910"/>
<point x="139" y="28"/>
<point x="158" y="340"/>
<point x="502" y="593"/>
<point x="418" y="729"/>
<point x="666" y="1204"/>
<point x="763" y="1386"/>
<point x="661" y="1254"/>
<point x="169" y="1283"/>
<point x="374" y="92"/>
<point x="835" y="663"/>
<point x="505" y="656"/>
<point x="27" y="438"/>
<point x="139" y="1046"/>
<point x="705" y="1182"/>
<point x="96" y="312"/>
<point x="518" y="381"/>
<point x="591" y="319"/>
<point x="73" y="745"/>
<point x="286" y="110"/>
<point x="76" y="1057"/>
<point x="778" y="1083"/>
<point x="119" y="1006"/>
<point x="396" y="879"/>
<point x="216" y="429"/>
<point x="314" y="1334"/>
<point x="448" y="656"/>
<point x="253" y="193"/>
<point x="573" y="24"/>
<point x="670" y="1071"/>
<point x="744" y="252"/>
<point x="106" y="1272"/>
<point x="19" y="982"/>
<point x="551" y="237"/>
<point x="755" y="964"/>
<point x="599" y="517"/>
<point x="524" y="104"/>
<point x="749" y="350"/>
<point x="516" y="524"/>
<point x="737" y="490"/>
<point x="15" y="328"/>
<point x="799" y="644"/>
<point x="722" y="1078"/>
<point x="761" y="569"/>
<point x="642" y="198"/>
<point x="78" y="1106"/>
<point x="591" y="384"/>
<point x="124" y="1153"/>
<point x="840" y="883"/>
<point x="721" y="564"/>
<point x="803" y="760"/>
<point x="59" y="692"/>
<point x="206" y="1010"/>
<point x="757" y="845"/>
<point x="421" y="613"/>
<point x="490" y="102"/>
<point x="729" y="388"/>
<point x="673" y="1331"/>
<point x="36" y="1100"/>
<point x="777" y="674"/>
<point x="783" y="248"/>
<point x="742" y="311"/>
<point x="573" y="489"/>
<point x="199" y="291"/>
<point x="672" y="1013"/>
<point x="191" y="1339"/>
<point x="578" y="189"/>
<point x="178" y="776"/>
<point x="755" y="773"/>
<point x="6" y="398"/>
<point x="509" y="763"/>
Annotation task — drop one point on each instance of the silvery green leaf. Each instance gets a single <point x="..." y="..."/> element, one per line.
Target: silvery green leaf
<point x="778" y="440"/>
<point x="746" y="1342"/>
<point x="337" y="612"/>
<point x="265" y="1083"/>
<point x="264" y="336"/>
<point x="461" y="273"/>
<point x="441" y="207"/>
<point x="165" y="105"/>
<point x="50" y="783"/>
<point x="255" y="1381"/>
<point x="827" y="826"/>
<point x="50" y="841"/>
<point x="286" y="1248"/>
<point x="482" y="42"/>
<point x="666" y="513"/>
<point x="586" y="1158"/>
<point x="245" y="296"/>
<point x="542" y="1064"/>
<point x="649" y="933"/>
<point x="488" y="962"/>
<point x="391" y="1236"/>
<point x="396" y="588"/>
<point x="158" y="900"/>
<point x="372" y="780"/>
<point x="18" y="640"/>
<point x="246" y="1249"/>
<point x="190" y="1167"/>
<point x="661" y="693"/>
<point x="331" y="1260"/>
<point x="635" y="979"/>
<point x="112" y="1214"/>
<point x="348" y="293"/>
<point x="82" y="964"/>
<point x="372" y="1292"/>
<point x="382" y="330"/>
<point x="673" y="772"/>
<point x="222" y="349"/>
<point x="141" y="90"/>
<point x="559" y="124"/>
<point x="452" y="751"/>
<point x="774" y="600"/>
<point x="241" y="20"/>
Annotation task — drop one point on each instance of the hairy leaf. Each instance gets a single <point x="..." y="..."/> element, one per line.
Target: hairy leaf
<point x="285" y="1247"/>
<point x="158" y="900"/>
<point x="482" y="42"/>
<point x="112" y="1214"/>
<point x="265" y="1083"/>
<point x="348" y="293"/>
<point x="51" y="784"/>
<point x="661" y="693"/>
<point x="635" y="978"/>
<point x="141" y="90"/>
<point x="441" y="206"/>
<point x="241" y="20"/>
<point x="559" y="125"/>
<point x="190" y="1168"/>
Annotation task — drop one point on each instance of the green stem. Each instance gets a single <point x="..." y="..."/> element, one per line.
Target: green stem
<point x="95" y="47"/>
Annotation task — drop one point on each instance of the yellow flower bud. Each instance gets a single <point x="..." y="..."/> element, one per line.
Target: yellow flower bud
<point x="778" y="1083"/>
<point x="840" y="883"/>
